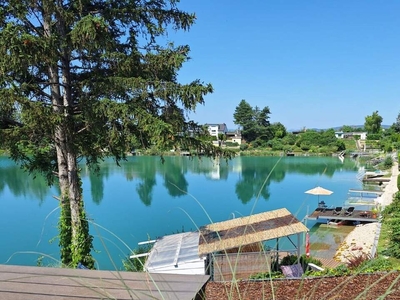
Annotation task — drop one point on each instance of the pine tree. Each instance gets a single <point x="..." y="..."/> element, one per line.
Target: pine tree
<point x="82" y="79"/>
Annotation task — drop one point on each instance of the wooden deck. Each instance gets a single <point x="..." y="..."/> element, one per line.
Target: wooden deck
<point x="39" y="283"/>
<point x="356" y="216"/>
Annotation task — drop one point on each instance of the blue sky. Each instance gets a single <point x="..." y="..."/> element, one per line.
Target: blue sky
<point x="315" y="64"/>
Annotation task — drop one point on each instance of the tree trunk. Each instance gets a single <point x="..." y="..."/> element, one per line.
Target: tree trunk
<point x="75" y="241"/>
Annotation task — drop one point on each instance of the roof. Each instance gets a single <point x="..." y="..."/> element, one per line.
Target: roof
<point x="247" y="230"/>
<point x="40" y="283"/>
<point x="221" y="126"/>
<point x="176" y="253"/>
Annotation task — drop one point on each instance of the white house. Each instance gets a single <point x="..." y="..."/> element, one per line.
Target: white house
<point x="343" y="135"/>
<point x="215" y="129"/>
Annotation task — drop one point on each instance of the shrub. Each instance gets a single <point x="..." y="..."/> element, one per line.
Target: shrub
<point x="398" y="182"/>
<point x="244" y="147"/>
<point x="341" y="270"/>
<point x="388" y="162"/>
<point x="379" y="264"/>
<point x="267" y="275"/>
<point x="305" y="146"/>
<point x="136" y="264"/>
<point x="357" y="260"/>
<point x="373" y="136"/>
<point x="275" y="145"/>
<point x="231" y="144"/>
<point x="341" y="146"/>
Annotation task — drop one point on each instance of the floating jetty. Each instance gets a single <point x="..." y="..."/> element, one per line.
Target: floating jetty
<point x="327" y="215"/>
<point x="366" y="192"/>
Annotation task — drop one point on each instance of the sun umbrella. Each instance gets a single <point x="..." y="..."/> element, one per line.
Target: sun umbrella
<point x="319" y="191"/>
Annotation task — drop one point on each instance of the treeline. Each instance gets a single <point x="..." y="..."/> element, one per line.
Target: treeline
<point x="258" y="132"/>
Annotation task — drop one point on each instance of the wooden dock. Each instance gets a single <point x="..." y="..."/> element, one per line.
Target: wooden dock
<point x="377" y="179"/>
<point x="326" y="215"/>
<point x="366" y="192"/>
<point x="40" y="283"/>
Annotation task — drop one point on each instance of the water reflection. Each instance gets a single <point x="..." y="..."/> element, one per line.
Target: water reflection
<point x="254" y="175"/>
<point x="20" y="183"/>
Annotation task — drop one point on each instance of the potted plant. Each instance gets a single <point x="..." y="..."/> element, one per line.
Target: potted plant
<point x="374" y="212"/>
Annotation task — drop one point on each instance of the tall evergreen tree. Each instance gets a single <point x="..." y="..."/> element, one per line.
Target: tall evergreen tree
<point x="253" y="122"/>
<point x="88" y="80"/>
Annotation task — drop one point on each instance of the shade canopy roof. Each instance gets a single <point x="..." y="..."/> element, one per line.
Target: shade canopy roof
<point x="319" y="191"/>
<point x="176" y="253"/>
<point x="247" y="230"/>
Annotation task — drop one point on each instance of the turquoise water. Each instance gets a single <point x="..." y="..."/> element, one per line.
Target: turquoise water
<point x="144" y="199"/>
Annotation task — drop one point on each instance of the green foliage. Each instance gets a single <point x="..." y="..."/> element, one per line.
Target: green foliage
<point x="71" y="256"/>
<point x="341" y="270"/>
<point x="290" y="139"/>
<point x="267" y="275"/>
<point x="279" y="130"/>
<point x="276" y="144"/>
<point x="244" y="146"/>
<point x="379" y="264"/>
<point x="312" y="141"/>
<point x="373" y="123"/>
<point x="396" y="125"/>
<point x="346" y="128"/>
<point x="388" y="162"/>
<point x="136" y="264"/>
<point x="391" y="216"/>
<point x="340" y="145"/>
<point x="231" y="144"/>
<point x="254" y="122"/>
<point x="78" y="85"/>
<point x="355" y="261"/>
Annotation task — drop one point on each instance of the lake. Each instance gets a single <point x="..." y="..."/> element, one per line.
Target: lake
<point x="144" y="198"/>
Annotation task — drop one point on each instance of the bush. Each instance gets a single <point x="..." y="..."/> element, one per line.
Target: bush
<point x="357" y="260"/>
<point x="275" y="144"/>
<point x="231" y="144"/>
<point x="388" y="162"/>
<point x="136" y="264"/>
<point x="244" y="147"/>
<point x="341" y="270"/>
<point x="341" y="146"/>
<point x="398" y="182"/>
<point x="374" y="137"/>
<point x="379" y="264"/>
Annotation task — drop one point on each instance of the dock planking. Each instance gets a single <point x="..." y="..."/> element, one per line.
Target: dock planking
<point x="34" y="283"/>
<point x="356" y="216"/>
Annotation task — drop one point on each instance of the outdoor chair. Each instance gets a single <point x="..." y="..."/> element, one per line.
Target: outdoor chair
<point x="337" y="211"/>
<point x="292" y="271"/>
<point x="322" y="204"/>
<point x="349" y="211"/>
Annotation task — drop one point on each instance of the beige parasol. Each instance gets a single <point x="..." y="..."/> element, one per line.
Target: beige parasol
<point x="319" y="191"/>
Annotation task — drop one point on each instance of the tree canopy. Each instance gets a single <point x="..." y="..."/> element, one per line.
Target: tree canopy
<point x="254" y="122"/>
<point x="89" y="79"/>
<point x="373" y="123"/>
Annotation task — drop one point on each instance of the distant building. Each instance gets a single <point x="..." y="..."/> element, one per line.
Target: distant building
<point x="215" y="129"/>
<point x="234" y="136"/>
<point x="344" y="135"/>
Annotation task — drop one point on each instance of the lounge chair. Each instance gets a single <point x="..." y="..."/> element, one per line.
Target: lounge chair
<point x="292" y="271"/>
<point x="337" y="211"/>
<point x="349" y="211"/>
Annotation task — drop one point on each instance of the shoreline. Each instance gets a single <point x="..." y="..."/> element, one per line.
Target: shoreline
<point x="363" y="239"/>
